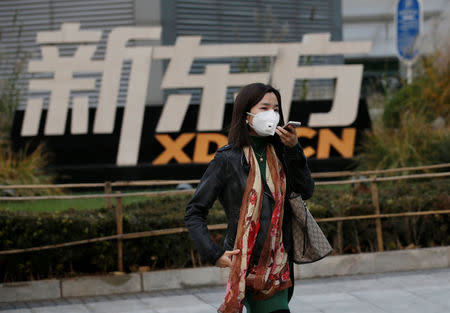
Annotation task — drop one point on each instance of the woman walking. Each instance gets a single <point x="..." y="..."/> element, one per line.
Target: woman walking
<point x="252" y="177"/>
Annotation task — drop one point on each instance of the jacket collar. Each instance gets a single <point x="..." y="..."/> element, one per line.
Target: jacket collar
<point x="244" y="162"/>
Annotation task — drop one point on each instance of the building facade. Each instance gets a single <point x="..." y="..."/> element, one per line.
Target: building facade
<point x="375" y="21"/>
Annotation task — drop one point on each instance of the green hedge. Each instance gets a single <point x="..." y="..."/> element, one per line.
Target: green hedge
<point x="27" y="229"/>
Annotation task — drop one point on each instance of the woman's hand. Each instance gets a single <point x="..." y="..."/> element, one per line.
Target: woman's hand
<point x="225" y="259"/>
<point x="287" y="135"/>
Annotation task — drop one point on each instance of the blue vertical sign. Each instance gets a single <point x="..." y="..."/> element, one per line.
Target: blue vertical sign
<point x="408" y="23"/>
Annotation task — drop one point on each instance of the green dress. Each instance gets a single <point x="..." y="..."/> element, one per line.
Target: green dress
<point x="280" y="300"/>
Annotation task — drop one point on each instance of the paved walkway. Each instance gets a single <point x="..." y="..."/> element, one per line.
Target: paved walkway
<point x="411" y="292"/>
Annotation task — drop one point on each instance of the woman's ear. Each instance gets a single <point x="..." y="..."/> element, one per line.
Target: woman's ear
<point x="248" y="119"/>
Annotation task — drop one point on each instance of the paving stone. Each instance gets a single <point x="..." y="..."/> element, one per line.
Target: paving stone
<point x="70" y="308"/>
<point x="392" y="300"/>
<point x="213" y="298"/>
<point x="297" y="305"/>
<point x="326" y="298"/>
<point x="434" y="294"/>
<point x="184" y="301"/>
<point x="350" y="307"/>
<point x="117" y="306"/>
<point x="338" y="302"/>
<point x="200" y="308"/>
<point x="185" y="304"/>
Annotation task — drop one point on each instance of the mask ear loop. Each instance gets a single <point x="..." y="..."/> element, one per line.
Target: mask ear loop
<point x="246" y="121"/>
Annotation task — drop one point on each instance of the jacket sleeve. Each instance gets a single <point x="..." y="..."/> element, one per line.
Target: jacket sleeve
<point x="300" y="178"/>
<point x="197" y="209"/>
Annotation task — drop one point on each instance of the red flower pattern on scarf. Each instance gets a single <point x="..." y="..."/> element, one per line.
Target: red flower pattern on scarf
<point x="252" y="197"/>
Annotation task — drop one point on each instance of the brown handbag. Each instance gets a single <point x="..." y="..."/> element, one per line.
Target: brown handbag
<point x="310" y="244"/>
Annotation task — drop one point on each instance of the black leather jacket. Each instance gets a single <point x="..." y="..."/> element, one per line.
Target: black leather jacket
<point x="225" y="179"/>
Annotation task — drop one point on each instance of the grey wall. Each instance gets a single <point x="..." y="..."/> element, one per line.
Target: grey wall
<point x="21" y="20"/>
<point x="233" y="21"/>
<point x="250" y="21"/>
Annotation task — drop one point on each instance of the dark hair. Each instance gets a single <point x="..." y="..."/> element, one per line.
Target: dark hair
<point x="247" y="97"/>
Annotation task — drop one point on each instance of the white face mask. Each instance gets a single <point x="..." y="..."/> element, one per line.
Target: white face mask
<point x="265" y="123"/>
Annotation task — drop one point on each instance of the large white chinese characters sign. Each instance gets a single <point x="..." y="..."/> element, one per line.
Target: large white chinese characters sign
<point x="214" y="82"/>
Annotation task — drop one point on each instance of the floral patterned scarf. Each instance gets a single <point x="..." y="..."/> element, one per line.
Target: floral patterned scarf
<point x="271" y="274"/>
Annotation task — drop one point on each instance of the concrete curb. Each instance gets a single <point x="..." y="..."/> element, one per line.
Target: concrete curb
<point x="30" y="290"/>
<point x="374" y="263"/>
<point x="101" y="285"/>
<point x="340" y="265"/>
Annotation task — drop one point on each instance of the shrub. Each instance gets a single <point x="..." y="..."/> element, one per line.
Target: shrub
<point x="407" y="134"/>
<point x="24" y="168"/>
<point x="26" y="229"/>
<point x="18" y="167"/>
<point x="428" y="95"/>
<point x="414" y="143"/>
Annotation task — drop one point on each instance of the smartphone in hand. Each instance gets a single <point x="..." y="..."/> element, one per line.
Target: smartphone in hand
<point x="293" y="123"/>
